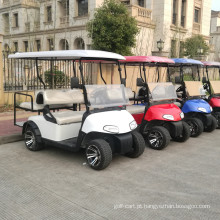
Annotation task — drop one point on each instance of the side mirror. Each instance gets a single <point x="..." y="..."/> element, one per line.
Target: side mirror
<point x="140" y="82"/>
<point x="123" y="81"/>
<point x="204" y="80"/>
<point x="75" y="83"/>
<point x="178" y="80"/>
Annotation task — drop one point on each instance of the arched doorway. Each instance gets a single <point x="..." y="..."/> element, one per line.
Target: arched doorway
<point x="64" y="45"/>
<point x="79" y="44"/>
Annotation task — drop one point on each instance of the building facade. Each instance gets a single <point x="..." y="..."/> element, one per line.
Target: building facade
<point x="33" y="25"/>
<point x="215" y="36"/>
<point x="177" y="20"/>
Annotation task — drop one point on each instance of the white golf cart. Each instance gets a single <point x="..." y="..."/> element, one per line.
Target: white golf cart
<point x="105" y="127"/>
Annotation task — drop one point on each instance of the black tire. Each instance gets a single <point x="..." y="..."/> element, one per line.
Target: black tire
<point x="213" y="125"/>
<point x="185" y="135"/>
<point x="196" y="126"/>
<point x="157" y="137"/>
<point x="98" y="154"/>
<point x="32" y="139"/>
<point x="138" y="145"/>
<point x="217" y="116"/>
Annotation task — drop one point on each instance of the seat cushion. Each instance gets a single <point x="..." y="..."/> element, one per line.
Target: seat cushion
<point x="135" y="109"/>
<point x="27" y="105"/>
<point x="37" y="107"/>
<point x="68" y="117"/>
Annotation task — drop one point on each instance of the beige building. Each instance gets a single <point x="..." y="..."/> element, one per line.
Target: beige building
<point x="215" y="36"/>
<point x="31" y="25"/>
<point x="177" y="20"/>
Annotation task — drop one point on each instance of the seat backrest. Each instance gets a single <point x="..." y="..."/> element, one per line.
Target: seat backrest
<point x="54" y="97"/>
<point x="215" y="86"/>
<point x="129" y="93"/>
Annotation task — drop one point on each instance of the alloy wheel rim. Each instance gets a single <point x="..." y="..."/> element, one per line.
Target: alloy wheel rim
<point x="29" y="139"/>
<point x="193" y="128"/>
<point x="155" y="139"/>
<point x="93" y="155"/>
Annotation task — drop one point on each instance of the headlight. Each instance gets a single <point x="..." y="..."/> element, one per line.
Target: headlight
<point x="202" y="109"/>
<point x="111" y="129"/>
<point x="133" y="125"/>
<point x="168" y="117"/>
<point x="211" y="109"/>
<point x="182" y="115"/>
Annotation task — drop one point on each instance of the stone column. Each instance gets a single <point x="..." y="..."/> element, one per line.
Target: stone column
<point x="1" y="73"/>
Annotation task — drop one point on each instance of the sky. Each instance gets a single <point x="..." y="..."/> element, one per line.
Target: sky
<point x="216" y="5"/>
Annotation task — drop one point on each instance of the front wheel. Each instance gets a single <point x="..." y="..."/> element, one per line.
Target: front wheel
<point x="195" y="125"/>
<point x="213" y="125"/>
<point x="138" y="145"/>
<point x="185" y="134"/>
<point x="32" y="138"/>
<point x="98" y="154"/>
<point x="157" y="137"/>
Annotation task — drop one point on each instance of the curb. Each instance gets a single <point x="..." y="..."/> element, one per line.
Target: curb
<point x="10" y="138"/>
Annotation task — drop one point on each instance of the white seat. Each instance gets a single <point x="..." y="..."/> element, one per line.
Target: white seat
<point x="37" y="107"/>
<point x="135" y="109"/>
<point x="68" y="117"/>
<point x="56" y="99"/>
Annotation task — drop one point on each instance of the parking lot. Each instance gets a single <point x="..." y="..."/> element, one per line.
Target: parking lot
<point x="56" y="184"/>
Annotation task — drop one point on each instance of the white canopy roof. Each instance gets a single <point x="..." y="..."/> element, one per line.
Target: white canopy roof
<point x="67" y="54"/>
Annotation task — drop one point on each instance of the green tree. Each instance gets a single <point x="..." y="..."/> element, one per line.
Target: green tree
<point x="56" y="76"/>
<point x="192" y="45"/>
<point x="112" y="28"/>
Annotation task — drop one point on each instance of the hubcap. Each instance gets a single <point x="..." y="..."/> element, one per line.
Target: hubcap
<point x="29" y="139"/>
<point x="155" y="139"/>
<point x="93" y="155"/>
<point x="193" y="127"/>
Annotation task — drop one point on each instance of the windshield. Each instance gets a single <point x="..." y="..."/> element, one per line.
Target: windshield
<point x="101" y="96"/>
<point x="162" y="91"/>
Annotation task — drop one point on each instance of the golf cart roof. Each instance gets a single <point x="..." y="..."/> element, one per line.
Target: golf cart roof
<point x="211" y="64"/>
<point x="187" y="61"/>
<point x="146" y="59"/>
<point x="68" y="55"/>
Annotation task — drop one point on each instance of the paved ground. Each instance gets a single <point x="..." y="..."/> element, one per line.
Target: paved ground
<point x="56" y="184"/>
<point x="9" y="132"/>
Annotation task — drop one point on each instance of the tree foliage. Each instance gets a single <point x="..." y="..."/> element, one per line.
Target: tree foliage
<point x="56" y="76"/>
<point x="192" y="45"/>
<point x="112" y="28"/>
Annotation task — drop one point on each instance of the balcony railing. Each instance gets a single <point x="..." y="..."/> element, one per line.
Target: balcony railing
<point x="36" y="26"/>
<point x="27" y="27"/>
<point x="13" y="2"/>
<point x="140" y="13"/>
<point x="196" y="27"/>
<point x="64" y="19"/>
<point x="7" y="30"/>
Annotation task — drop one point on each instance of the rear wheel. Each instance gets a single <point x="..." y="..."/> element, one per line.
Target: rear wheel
<point x="185" y="134"/>
<point x="217" y="116"/>
<point x="213" y="125"/>
<point x="98" y="154"/>
<point x="32" y="139"/>
<point x="138" y="145"/>
<point x="195" y="125"/>
<point x="157" y="137"/>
